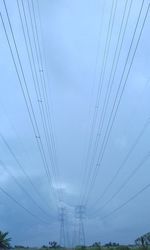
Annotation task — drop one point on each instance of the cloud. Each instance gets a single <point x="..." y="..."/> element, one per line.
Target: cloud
<point x="71" y="38"/>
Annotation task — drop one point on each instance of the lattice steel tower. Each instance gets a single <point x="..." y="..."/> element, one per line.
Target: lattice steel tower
<point x="80" y="215"/>
<point x="62" y="240"/>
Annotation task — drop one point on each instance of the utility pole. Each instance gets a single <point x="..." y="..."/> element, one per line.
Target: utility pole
<point x="62" y="240"/>
<point x="80" y="215"/>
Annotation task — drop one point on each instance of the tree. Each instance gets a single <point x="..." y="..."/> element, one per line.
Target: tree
<point x="44" y="246"/>
<point x="97" y="245"/>
<point x="4" y="240"/>
<point x="108" y="244"/>
<point x="53" y="244"/>
<point x="143" y="240"/>
<point x="111" y="244"/>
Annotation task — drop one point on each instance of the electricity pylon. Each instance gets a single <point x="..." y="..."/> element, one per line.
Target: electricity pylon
<point x="74" y="236"/>
<point x="62" y="240"/>
<point x="80" y="215"/>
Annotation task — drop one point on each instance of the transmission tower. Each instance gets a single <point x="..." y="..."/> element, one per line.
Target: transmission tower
<point x="62" y="240"/>
<point x="80" y="215"/>
<point x="74" y="235"/>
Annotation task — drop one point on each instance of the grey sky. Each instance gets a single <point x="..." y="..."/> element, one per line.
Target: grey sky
<point x="73" y="38"/>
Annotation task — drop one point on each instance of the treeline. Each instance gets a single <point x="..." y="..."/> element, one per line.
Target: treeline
<point x="20" y="246"/>
<point x="143" y="242"/>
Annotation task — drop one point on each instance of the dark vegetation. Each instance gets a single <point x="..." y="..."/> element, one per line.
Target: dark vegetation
<point x="52" y="244"/>
<point x="141" y="243"/>
<point x="4" y="240"/>
<point x="143" y="240"/>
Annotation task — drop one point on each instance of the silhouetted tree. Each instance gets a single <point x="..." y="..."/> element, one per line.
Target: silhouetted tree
<point x="143" y="240"/>
<point x="53" y="244"/>
<point x="4" y="240"/>
<point x="114" y="244"/>
<point x="108" y="244"/>
<point x="19" y="246"/>
<point x="44" y="246"/>
<point x="97" y="245"/>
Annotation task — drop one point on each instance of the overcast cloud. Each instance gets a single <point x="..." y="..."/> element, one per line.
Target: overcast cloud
<point x="73" y="38"/>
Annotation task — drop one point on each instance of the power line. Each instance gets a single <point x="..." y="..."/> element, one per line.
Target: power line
<point x="99" y="132"/>
<point x="37" y="136"/>
<point x="20" y="165"/>
<point x="92" y="89"/>
<point x="143" y="161"/>
<point x="44" y="90"/>
<point x="107" y="95"/>
<point x="36" y="82"/>
<point x="23" y="189"/>
<point x="114" y="66"/>
<point x="108" y="129"/>
<point x="127" y="202"/>
<point x="135" y="143"/>
<point x="20" y="205"/>
<point x="34" y="126"/>
<point x="105" y="56"/>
